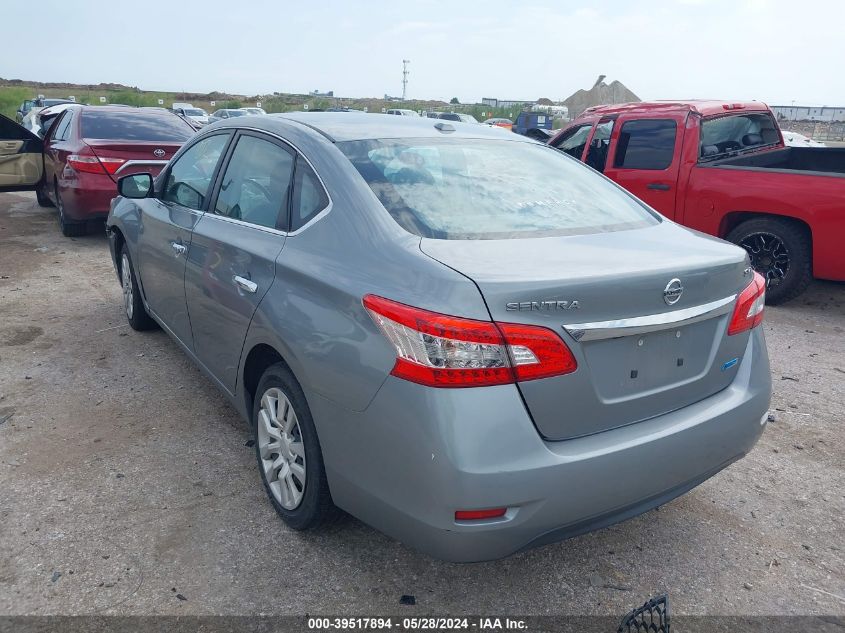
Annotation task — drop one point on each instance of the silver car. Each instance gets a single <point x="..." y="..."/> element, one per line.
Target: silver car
<point x="472" y="342"/>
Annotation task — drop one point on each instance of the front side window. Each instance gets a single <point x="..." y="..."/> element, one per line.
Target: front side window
<point x="574" y="140"/>
<point x="490" y="189"/>
<point x="189" y="180"/>
<point x="646" y="144"/>
<point x="597" y="154"/>
<point x="255" y="185"/>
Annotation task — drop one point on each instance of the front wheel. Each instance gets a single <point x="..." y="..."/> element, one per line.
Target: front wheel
<point x="780" y="250"/>
<point x="288" y="451"/>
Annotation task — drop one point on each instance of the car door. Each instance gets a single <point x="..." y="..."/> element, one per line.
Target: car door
<point x="57" y="147"/>
<point x="21" y="157"/>
<point x="236" y="244"/>
<point x="167" y="222"/>
<point x="646" y="159"/>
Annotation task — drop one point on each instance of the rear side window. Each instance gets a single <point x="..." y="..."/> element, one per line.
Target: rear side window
<point x="63" y="129"/>
<point x="574" y="140"/>
<point x="255" y="185"/>
<point x="190" y="177"/>
<point x="646" y="144"/>
<point x="309" y="197"/>
<point x="134" y="126"/>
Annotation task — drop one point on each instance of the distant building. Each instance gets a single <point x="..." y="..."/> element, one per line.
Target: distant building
<point x="317" y="93"/>
<point x="809" y="113"/>
<point x="506" y="103"/>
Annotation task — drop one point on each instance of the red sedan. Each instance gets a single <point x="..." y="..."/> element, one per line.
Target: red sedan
<point x="83" y="153"/>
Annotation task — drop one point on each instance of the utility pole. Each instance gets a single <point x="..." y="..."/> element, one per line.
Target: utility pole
<point x="405" y="72"/>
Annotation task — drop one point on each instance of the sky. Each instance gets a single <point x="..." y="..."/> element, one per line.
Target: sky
<point x="775" y="51"/>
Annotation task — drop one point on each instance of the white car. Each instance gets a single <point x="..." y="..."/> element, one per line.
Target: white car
<point x="196" y="115"/>
<point x="794" y="139"/>
<point x="402" y="112"/>
<point x="38" y="120"/>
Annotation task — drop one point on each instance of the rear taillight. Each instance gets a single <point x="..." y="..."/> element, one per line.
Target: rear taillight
<point x="438" y="350"/>
<point x="94" y="164"/>
<point x="480" y="515"/>
<point x="748" y="312"/>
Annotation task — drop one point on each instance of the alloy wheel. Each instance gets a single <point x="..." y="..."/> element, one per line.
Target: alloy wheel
<point x="128" y="290"/>
<point x="281" y="448"/>
<point x="769" y="256"/>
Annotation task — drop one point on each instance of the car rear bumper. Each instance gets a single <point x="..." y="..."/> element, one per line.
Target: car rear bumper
<point x="88" y="196"/>
<point x="444" y="450"/>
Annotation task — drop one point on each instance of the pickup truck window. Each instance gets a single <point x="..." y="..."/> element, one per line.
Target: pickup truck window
<point x="646" y="144"/>
<point x="597" y="154"/>
<point x="725" y="135"/>
<point x="573" y="141"/>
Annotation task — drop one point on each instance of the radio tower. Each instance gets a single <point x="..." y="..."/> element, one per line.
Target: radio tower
<point x="405" y="72"/>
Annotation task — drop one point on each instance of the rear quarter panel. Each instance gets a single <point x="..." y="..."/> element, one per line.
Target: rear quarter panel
<point x="713" y="194"/>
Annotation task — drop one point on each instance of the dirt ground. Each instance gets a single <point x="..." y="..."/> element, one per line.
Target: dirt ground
<point x="126" y="486"/>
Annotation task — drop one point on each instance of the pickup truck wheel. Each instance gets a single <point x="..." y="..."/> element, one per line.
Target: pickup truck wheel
<point x="288" y="451"/>
<point x="780" y="251"/>
<point x="133" y="305"/>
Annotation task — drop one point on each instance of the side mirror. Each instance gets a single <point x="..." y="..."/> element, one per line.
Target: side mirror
<point x="135" y="185"/>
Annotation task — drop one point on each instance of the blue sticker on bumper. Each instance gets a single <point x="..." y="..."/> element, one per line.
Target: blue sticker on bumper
<point x="730" y="364"/>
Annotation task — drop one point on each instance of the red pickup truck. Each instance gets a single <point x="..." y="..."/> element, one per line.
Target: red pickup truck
<point x="722" y="168"/>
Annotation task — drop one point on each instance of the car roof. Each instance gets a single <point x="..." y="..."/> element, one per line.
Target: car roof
<point x="355" y="126"/>
<point x="704" y="107"/>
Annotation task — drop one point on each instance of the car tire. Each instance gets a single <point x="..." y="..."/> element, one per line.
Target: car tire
<point x="287" y="449"/>
<point x="133" y="305"/>
<point x="69" y="228"/>
<point x="42" y="197"/>
<point x="781" y="251"/>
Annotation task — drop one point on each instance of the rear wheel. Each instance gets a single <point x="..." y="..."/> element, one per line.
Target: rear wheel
<point x="288" y="451"/>
<point x="133" y="306"/>
<point x="41" y="196"/>
<point x="69" y="228"/>
<point x="780" y="250"/>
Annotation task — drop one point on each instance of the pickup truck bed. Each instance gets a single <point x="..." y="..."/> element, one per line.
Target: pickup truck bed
<point x="819" y="161"/>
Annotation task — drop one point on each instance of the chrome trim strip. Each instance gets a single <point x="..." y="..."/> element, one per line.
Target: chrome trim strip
<point x="130" y="163"/>
<point x="597" y="330"/>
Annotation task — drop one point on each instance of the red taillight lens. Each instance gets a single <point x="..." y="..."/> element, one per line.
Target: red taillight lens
<point x="88" y="164"/>
<point x="748" y="312"/>
<point x="476" y="515"/>
<point x="438" y="350"/>
<point x="112" y="164"/>
<point x="95" y="165"/>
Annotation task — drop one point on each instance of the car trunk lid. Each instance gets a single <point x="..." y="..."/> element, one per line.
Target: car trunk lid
<point x="121" y="158"/>
<point x="638" y="356"/>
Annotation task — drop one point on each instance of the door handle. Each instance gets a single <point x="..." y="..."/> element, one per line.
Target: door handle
<point x="658" y="186"/>
<point x="178" y="248"/>
<point x="244" y="284"/>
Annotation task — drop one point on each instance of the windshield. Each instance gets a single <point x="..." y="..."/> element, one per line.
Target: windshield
<point x="490" y="189"/>
<point x="195" y="112"/>
<point x="734" y="133"/>
<point x="237" y="113"/>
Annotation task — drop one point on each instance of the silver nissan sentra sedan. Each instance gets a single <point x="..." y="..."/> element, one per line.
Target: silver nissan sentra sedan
<point x="466" y="339"/>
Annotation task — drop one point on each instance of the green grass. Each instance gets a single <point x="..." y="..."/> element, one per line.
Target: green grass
<point x="11" y="99"/>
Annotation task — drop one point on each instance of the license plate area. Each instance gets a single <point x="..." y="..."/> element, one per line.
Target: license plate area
<point x="644" y="363"/>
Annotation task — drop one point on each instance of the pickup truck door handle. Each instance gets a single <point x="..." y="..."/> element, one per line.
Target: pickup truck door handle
<point x="178" y="248"/>
<point x="245" y="284"/>
<point x="658" y="186"/>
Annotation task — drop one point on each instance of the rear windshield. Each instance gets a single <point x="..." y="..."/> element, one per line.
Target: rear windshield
<point x="134" y="126"/>
<point x="194" y="112"/>
<point x="488" y="189"/>
<point x="732" y="134"/>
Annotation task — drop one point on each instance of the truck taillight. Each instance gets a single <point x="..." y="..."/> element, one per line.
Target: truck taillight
<point x="439" y="350"/>
<point x="748" y="312"/>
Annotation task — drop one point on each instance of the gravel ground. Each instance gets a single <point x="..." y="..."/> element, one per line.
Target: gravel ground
<point x="126" y="486"/>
